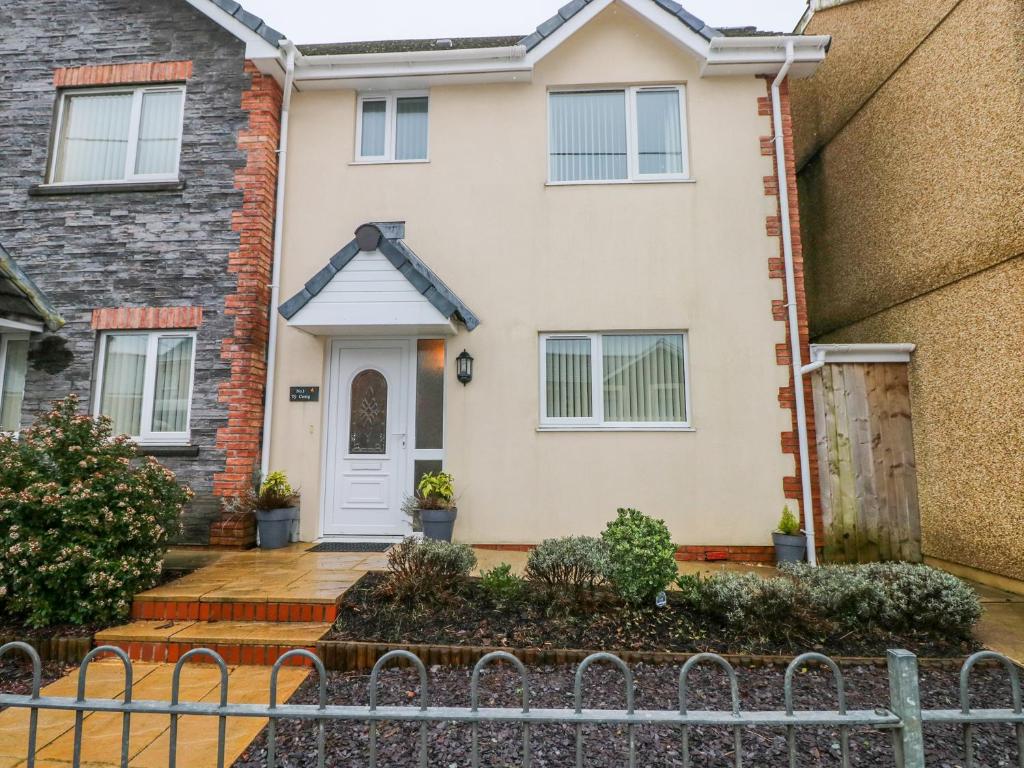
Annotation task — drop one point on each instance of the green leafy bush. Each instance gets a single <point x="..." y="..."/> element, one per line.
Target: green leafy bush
<point x="570" y="566"/>
<point x="745" y="601"/>
<point x="426" y="570"/>
<point x="788" y="524"/>
<point x="84" y="525"/>
<point x="501" y="586"/>
<point x="436" y="490"/>
<point x="641" y="555"/>
<point x="275" y="492"/>
<point x="896" y="596"/>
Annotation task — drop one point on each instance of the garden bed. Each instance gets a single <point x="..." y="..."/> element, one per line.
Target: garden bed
<point x="656" y="687"/>
<point x="16" y="674"/>
<point x="470" y="618"/>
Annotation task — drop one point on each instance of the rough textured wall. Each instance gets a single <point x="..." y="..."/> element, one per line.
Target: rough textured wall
<point x="923" y="186"/>
<point x="967" y="387"/>
<point x="869" y="40"/>
<point x="134" y="248"/>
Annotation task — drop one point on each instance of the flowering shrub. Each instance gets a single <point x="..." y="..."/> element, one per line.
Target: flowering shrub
<point x="83" y="525"/>
<point x="641" y="554"/>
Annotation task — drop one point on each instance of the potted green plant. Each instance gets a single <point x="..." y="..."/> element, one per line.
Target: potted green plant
<point x="276" y="510"/>
<point x="790" y="542"/>
<point x="435" y="505"/>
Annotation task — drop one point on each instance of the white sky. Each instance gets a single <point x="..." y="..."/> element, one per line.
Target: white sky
<point x="327" y="21"/>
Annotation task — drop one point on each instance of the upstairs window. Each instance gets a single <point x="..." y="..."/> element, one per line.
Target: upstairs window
<point x="118" y="134"/>
<point x="145" y="384"/>
<point x="628" y="134"/>
<point x="392" y="128"/>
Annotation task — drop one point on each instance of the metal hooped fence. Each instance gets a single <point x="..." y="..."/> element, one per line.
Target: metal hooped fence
<point x="903" y="718"/>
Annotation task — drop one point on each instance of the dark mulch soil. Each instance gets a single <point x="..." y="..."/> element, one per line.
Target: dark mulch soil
<point x="16" y="674"/>
<point x="470" y="619"/>
<point x="656" y="688"/>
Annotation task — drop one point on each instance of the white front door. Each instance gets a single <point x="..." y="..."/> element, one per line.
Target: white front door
<point x="367" y="457"/>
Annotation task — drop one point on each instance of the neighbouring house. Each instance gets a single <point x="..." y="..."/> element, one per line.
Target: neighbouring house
<point x="137" y="185"/>
<point x="592" y="214"/>
<point x="909" y="150"/>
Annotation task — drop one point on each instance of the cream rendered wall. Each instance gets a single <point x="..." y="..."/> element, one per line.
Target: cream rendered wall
<point x="530" y="258"/>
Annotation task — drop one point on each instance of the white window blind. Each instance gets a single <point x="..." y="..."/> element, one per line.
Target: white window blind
<point x="146" y="384"/>
<point x="392" y="127"/>
<point x="119" y="135"/>
<point x="14" y="364"/>
<point x="630" y="134"/>
<point x="642" y="380"/>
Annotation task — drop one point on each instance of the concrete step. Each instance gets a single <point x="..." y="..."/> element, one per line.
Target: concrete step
<point x="238" y="642"/>
<point x="304" y="609"/>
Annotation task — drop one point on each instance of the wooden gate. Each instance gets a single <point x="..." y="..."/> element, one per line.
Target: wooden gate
<point x="866" y="453"/>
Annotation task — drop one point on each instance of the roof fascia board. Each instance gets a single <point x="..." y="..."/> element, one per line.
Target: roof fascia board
<point x="311" y="70"/>
<point x="646" y="9"/>
<point x="501" y="53"/>
<point x="764" y="55"/>
<point x="10" y="324"/>
<point x="256" y="47"/>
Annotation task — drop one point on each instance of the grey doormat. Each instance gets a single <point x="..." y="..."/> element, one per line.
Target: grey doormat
<point x="351" y="546"/>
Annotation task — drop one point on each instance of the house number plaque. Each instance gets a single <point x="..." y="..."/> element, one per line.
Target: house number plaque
<point x="304" y="394"/>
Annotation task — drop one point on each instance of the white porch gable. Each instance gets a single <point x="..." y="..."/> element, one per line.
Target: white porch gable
<point x="370" y="295"/>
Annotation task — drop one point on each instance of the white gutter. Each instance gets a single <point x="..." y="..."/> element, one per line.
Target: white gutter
<point x="807" y="503"/>
<point x="504" y="53"/>
<point x="275" y="275"/>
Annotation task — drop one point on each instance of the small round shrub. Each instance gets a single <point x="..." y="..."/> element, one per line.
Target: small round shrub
<point x="501" y="586"/>
<point x="428" y="570"/>
<point x="573" y="564"/>
<point x="84" y="524"/>
<point x="641" y="555"/>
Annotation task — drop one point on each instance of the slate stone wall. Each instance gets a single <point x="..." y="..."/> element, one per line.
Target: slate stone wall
<point x="152" y="249"/>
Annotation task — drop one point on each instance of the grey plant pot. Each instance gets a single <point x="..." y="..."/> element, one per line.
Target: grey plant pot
<point x="274" y="526"/>
<point x="789" y="549"/>
<point x="438" y="523"/>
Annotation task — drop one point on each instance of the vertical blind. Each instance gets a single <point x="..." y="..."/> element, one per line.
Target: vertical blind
<point x="15" y="368"/>
<point x="124" y="371"/>
<point x="411" y="128"/>
<point x="588" y="136"/>
<point x="159" y="130"/>
<point x="659" y="133"/>
<point x="94" y="137"/>
<point x="170" y="395"/>
<point x="373" y="129"/>
<point x="643" y="378"/>
<point x="568" y="378"/>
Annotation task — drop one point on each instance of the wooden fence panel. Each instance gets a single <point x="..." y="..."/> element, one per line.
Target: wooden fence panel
<point x="866" y="462"/>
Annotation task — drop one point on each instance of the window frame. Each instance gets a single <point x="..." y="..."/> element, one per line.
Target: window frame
<point x="390" y="99"/>
<point x="596" y="422"/>
<point x="5" y="339"/>
<point x="633" y="175"/>
<point x="147" y="436"/>
<point x="130" y="177"/>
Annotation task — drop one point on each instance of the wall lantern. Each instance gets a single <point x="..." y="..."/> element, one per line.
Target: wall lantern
<point x="464" y="367"/>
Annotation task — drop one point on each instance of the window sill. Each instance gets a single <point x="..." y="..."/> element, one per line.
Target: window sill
<point x="606" y="182"/>
<point x="166" y="451"/>
<point x="390" y="162"/>
<point x="41" y="190"/>
<point x="598" y="428"/>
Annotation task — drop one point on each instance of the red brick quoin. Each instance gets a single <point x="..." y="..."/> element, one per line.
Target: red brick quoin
<point x="246" y="348"/>
<point x="776" y="270"/>
<point x="123" y="74"/>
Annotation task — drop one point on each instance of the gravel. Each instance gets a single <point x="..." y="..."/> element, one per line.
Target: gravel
<point x="16" y="674"/>
<point x="656" y="688"/>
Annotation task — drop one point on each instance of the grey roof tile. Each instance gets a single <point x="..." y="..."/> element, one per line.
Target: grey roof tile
<point x="250" y="20"/>
<point x="549" y="26"/>
<point x="532" y="40"/>
<point x="404" y="260"/>
<point x="570" y="9"/>
<point x="20" y="296"/>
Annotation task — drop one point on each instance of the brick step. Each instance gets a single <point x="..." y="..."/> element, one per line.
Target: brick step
<point x="238" y="642"/>
<point x="201" y="610"/>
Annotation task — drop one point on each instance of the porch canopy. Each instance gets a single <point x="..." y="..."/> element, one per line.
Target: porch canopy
<point x="23" y="307"/>
<point x="376" y="284"/>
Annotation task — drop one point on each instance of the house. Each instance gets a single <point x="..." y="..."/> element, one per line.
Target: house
<point x="137" y="178"/>
<point x="588" y="218"/>
<point x="911" y="183"/>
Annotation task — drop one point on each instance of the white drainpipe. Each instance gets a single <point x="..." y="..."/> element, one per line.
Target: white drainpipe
<point x="275" y="276"/>
<point x="807" y="504"/>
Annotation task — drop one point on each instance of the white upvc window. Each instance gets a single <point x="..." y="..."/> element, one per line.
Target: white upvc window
<point x="392" y="127"/>
<point x="118" y="135"/>
<point x="13" y="369"/>
<point x="614" y="380"/>
<point x="144" y="384"/>
<point x="607" y="135"/>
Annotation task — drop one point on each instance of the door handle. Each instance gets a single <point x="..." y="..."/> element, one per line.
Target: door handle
<point x="402" y="438"/>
